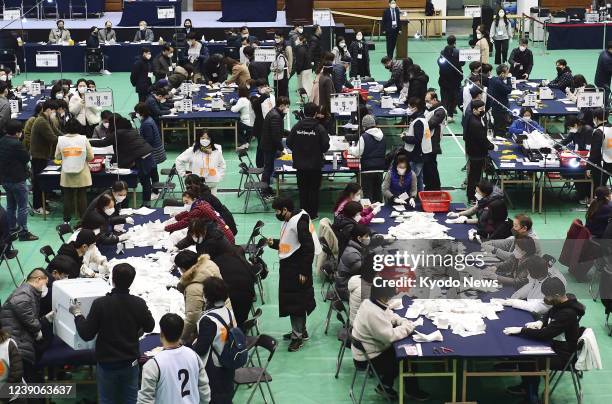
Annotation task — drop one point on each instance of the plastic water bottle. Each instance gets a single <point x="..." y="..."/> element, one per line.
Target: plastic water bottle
<point x="335" y="162"/>
<point x="107" y="164"/>
<point x="357" y="84"/>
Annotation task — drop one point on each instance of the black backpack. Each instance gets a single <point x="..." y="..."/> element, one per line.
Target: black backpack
<point x="235" y="353"/>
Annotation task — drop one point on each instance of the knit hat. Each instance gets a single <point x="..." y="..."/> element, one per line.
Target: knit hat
<point x="368" y="122"/>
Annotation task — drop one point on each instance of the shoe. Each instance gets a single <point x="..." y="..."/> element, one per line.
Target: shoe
<point x="517" y="390"/>
<point x="450" y="120"/>
<point x="154" y="196"/>
<point x="40" y="211"/>
<point x="296" y="344"/>
<point x="106" y="72"/>
<point x="585" y="201"/>
<point x="288" y="336"/>
<point x="27" y="236"/>
<point x="386" y="391"/>
<point x="418" y="395"/>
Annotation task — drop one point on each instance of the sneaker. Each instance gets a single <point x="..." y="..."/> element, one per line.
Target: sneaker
<point x="585" y="201"/>
<point x="288" y="336"/>
<point x="296" y="344"/>
<point x="27" y="236"/>
<point x="154" y="196"/>
<point x="386" y="391"/>
<point x="418" y="395"/>
<point x="40" y="211"/>
<point x="105" y="72"/>
<point x="517" y="390"/>
<point x="450" y="120"/>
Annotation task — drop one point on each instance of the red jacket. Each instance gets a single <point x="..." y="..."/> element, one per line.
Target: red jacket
<point x="577" y="252"/>
<point x="200" y="209"/>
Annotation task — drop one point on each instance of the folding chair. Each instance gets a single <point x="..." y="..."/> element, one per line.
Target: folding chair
<point x="328" y="267"/>
<point x="5" y="256"/>
<point x="368" y="371"/>
<point x="260" y="268"/>
<point x="255" y="375"/>
<point x="94" y="61"/>
<point x="165" y="188"/>
<point x="332" y="297"/>
<point x="62" y="230"/>
<point x="78" y="5"/>
<point x="569" y="367"/>
<point x="249" y="247"/>
<point x="343" y="335"/>
<point x="251" y="173"/>
<point x="49" y="8"/>
<point x="251" y="330"/>
<point x="258" y="187"/>
<point x="31" y="8"/>
<point x="171" y="173"/>
<point x="47" y="252"/>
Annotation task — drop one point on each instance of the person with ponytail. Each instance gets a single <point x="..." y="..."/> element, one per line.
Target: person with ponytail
<point x="599" y="212"/>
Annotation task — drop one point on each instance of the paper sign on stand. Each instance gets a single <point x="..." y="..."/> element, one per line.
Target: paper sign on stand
<point x="469" y="55"/>
<point x="186" y="105"/>
<point x="10" y="15"/>
<point x="472" y="11"/>
<point x="530" y="100"/>
<point x="165" y="13"/>
<point x="266" y="55"/>
<point x="35" y="89"/>
<point x="100" y="99"/>
<point x="590" y="99"/>
<point x="343" y="104"/>
<point x="14" y="106"/>
<point x="47" y="60"/>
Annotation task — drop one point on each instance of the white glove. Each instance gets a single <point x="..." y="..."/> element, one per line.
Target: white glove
<point x="512" y="330"/>
<point x="39" y="336"/>
<point x="123" y="237"/>
<point x="129" y="220"/>
<point x="409" y="327"/>
<point x="509" y="302"/>
<point x="460" y="219"/>
<point x="50" y="316"/>
<point x="534" y="325"/>
<point x="376" y="210"/>
<point x="172" y="249"/>
<point x="399" y="201"/>
<point x="412" y="203"/>
<point x="452" y="215"/>
<point x="487" y="247"/>
<point x="495" y="147"/>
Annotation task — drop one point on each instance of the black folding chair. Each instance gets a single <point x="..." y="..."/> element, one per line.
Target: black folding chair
<point x="252" y="185"/>
<point x="62" y="230"/>
<point x="250" y="247"/>
<point x="254" y="376"/>
<point x="250" y="173"/>
<point x="556" y="375"/>
<point x="7" y="255"/>
<point x="48" y="253"/>
<point x="171" y="173"/>
<point x="77" y="7"/>
<point x="343" y="335"/>
<point x="166" y="187"/>
<point x="332" y="297"/>
<point x="251" y="330"/>
<point x="328" y="267"/>
<point x="368" y="371"/>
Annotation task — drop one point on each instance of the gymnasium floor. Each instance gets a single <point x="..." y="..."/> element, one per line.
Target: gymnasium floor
<point x="307" y="376"/>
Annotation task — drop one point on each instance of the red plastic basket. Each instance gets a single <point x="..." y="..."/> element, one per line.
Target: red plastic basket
<point x="569" y="160"/>
<point x="351" y="161"/>
<point x="435" y="201"/>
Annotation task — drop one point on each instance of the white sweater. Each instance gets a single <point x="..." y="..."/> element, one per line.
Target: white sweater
<point x="377" y="328"/>
<point x="210" y="166"/>
<point x="85" y="115"/>
<point x="247" y="115"/>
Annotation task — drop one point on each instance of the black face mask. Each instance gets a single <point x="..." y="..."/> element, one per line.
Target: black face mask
<point x="280" y="216"/>
<point x="108" y="28"/>
<point x="559" y="70"/>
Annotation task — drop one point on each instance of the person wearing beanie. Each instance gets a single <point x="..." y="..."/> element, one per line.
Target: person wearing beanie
<point x="308" y="142"/>
<point x="371" y="149"/>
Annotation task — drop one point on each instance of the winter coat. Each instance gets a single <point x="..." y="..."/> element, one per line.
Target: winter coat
<point x="348" y="266"/>
<point x="524" y="61"/>
<point x="308" y="141"/>
<point x="150" y="132"/>
<point x="302" y="59"/>
<point x="499" y="90"/>
<point x="86" y="115"/>
<point x="20" y="318"/>
<point x="14" y="159"/>
<point x="161" y="66"/>
<point x="139" y="76"/>
<point x="360" y="66"/>
<point x="343" y="227"/>
<point x="94" y="220"/>
<point x="272" y="131"/>
<point x="450" y="68"/>
<point x="339" y="78"/>
<point x="239" y="277"/>
<point x="315" y="49"/>
<point x="130" y="146"/>
<point x="201" y="209"/>
<point x="435" y="121"/>
<point x="391" y="187"/>
<point x="44" y="138"/>
<point x="603" y="73"/>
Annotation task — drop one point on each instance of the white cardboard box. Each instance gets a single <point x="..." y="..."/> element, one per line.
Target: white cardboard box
<point x="85" y="290"/>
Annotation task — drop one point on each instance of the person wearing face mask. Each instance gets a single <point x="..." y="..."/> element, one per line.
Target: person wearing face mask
<point x="197" y="208"/>
<point x="295" y="32"/>
<point x="42" y="146"/>
<point x="257" y="70"/>
<point x="205" y="236"/>
<point x="579" y="138"/>
<point x="371" y="149"/>
<point x="514" y="270"/>
<point x="101" y="131"/>
<point x="27" y="126"/>
<point x="340" y="51"/>
<point x="314" y="46"/>
<point x="339" y="72"/>
<point x="360" y="57"/>
<point x="188" y="27"/>
<point x="564" y="77"/>
<point x="477" y="145"/>
<point x="14" y="159"/>
<point x="297" y="245"/>
<point x="144" y="34"/>
<point x="400" y="180"/>
<point x="76" y="250"/>
<point x="197" y="53"/>
<point x="353" y="193"/>
<point x="417" y="140"/>
<point x="5" y="107"/>
<point x="204" y="159"/>
<point x="391" y="26"/>
<point x="194" y="271"/>
<point x="61" y="267"/>
<point x="59" y="35"/>
<point x="272" y="134"/>
<point x="351" y="259"/>
<point x="101" y="216"/>
<point x="603" y="73"/>
<point x="435" y="114"/>
<point x="108" y="34"/>
<point x="451" y="75"/>
<point x="214" y="70"/>
<point x="525" y="123"/>
<point x="88" y="116"/>
<point x="499" y="89"/>
<point x="156" y="102"/>
<point x="93" y="42"/>
<point x="521" y="60"/>
<point x="240" y="72"/>
<point x="344" y="222"/>
<point x="482" y="43"/>
<point x="141" y="74"/>
<point x="150" y="133"/>
<point x="247" y="116"/>
<point x="599" y="212"/>
<point x="162" y="64"/>
<point x="397" y="69"/>
<point x="281" y="67"/>
<point x="601" y="148"/>
<point x="501" y="32"/>
<point x="21" y="318"/>
<point x="522" y="226"/>
<point x="118" y="194"/>
<point x="303" y="64"/>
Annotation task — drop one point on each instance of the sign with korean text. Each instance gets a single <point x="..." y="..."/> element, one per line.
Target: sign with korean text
<point x="343" y="104"/>
<point x="14" y="106"/>
<point x="472" y="11"/>
<point x="101" y="99"/>
<point x="322" y="17"/>
<point x="47" y="60"/>
<point x="165" y="13"/>
<point x="590" y="99"/>
<point x="266" y="55"/>
<point x="469" y="55"/>
<point x="35" y="89"/>
<point x="13" y="14"/>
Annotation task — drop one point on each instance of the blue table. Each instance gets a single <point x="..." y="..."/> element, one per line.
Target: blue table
<point x="146" y="10"/>
<point x="191" y="122"/>
<point x="29" y="106"/>
<point x="578" y="36"/>
<point x="120" y="57"/>
<point x="492" y="345"/>
<point x="545" y="108"/>
<point x="248" y="10"/>
<point x="327" y="170"/>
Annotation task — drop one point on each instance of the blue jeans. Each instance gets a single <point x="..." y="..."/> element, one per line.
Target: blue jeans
<point x="117" y="385"/>
<point x="17" y="205"/>
<point x="145" y="167"/>
<point x="417" y="168"/>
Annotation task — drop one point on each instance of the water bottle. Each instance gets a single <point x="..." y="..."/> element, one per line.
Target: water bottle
<point x="107" y="164"/>
<point x="335" y="162"/>
<point x="357" y="84"/>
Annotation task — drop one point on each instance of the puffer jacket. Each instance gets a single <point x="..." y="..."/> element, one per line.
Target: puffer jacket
<point x="349" y="265"/>
<point x="343" y="226"/>
<point x="191" y="285"/>
<point x="20" y="318"/>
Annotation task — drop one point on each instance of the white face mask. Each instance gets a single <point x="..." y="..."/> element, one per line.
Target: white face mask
<point x="357" y="217"/>
<point x="142" y="27"/>
<point x="478" y="196"/>
<point x="357" y="197"/>
<point x="147" y="56"/>
<point x="197" y="240"/>
<point x="401" y="171"/>
<point x="170" y="55"/>
<point x="300" y="30"/>
<point x="359" y="37"/>
<point x="106" y="124"/>
<point x="518" y="254"/>
<point x="410" y="110"/>
<point x="119" y="198"/>
<point x="2" y="78"/>
<point x="392" y="5"/>
<point x="187" y="206"/>
<point x="573" y="130"/>
<point x="428" y="105"/>
<point x="478" y="35"/>
<point x="342" y="44"/>
<point x="522" y="48"/>
<point x="278" y="40"/>
<point x="109" y="211"/>
<point x="365" y="241"/>
<point x="44" y="291"/>
<point x="501" y="14"/>
<point x="82" y="90"/>
<point x="527" y="118"/>
<point x="205" y="142"/>
<point x="59" y="96"/>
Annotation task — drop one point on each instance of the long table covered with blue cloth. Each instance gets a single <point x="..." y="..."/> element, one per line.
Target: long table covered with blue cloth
<point x="248" y="11"/>
<point x="151" y="11"/>
<point x="120" y="57"/>
<point x="559" y="106"/>
<point x="28" y="106"/>
<point x="513" y="167"/>
<point x="59" y="354"/>
<point x="578" y="36"/>
<point x="191" y="122"/>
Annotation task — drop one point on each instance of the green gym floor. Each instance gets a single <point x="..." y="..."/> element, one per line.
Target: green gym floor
<point x="307" y="376"/>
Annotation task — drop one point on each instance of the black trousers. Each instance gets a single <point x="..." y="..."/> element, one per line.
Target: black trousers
<point x="475" y="169"/>
<point x="600" y="178"/>
<point x="450" y="98"/>
<point x="38" y="165"/>
<point x="500" y="124"/>
<point x="501" y="51"/>
<point x="391" y="41"/>
<point x="282" y="87"/>
<point x="387" y="367"/>
<point x="371" y="186"/>
<point x="431" y="176"/>
<point x="309" y="184"/>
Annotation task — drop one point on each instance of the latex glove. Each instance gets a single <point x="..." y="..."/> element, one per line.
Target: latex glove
<point x="409" y="327"/>
<point x="472" y="234"/>
<point x="534" y="325"/>
<point x="412" y="203"/>
<point x="172" y="249"/>
<point x="452" y="215"/>
<point x="512" y="330"/>
<point x="495" y="147"/>
<point x="123" y="237"/>
<point x="509" y="302"/>
<point x="39" y="336"/>
<point x="129" y="220"/>
<point x="460" y="219"/>
<point x="399" y="201"/>
<point x="376" y="210"/>
<point x="75" y="308"/>
<point x="50" y="316"/>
